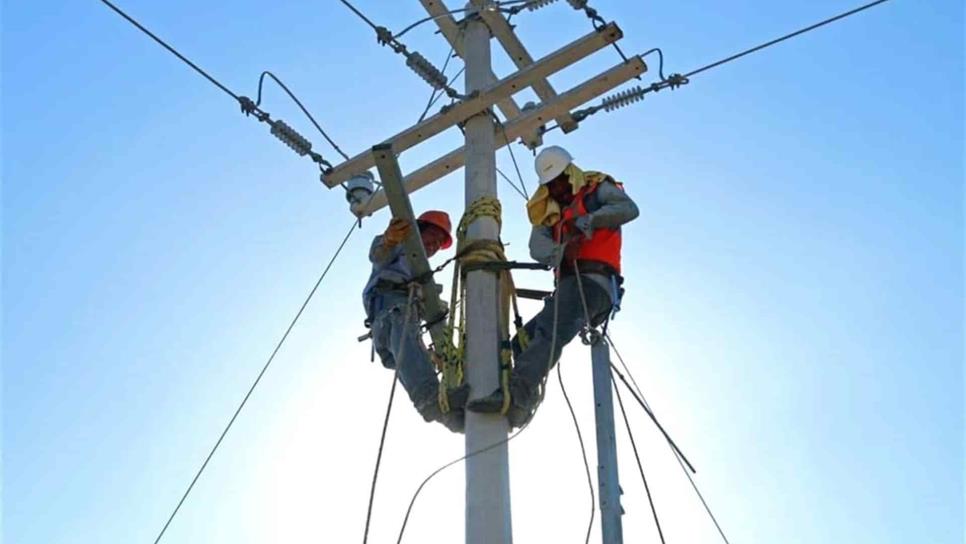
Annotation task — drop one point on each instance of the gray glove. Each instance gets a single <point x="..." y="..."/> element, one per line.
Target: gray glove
<point x="584" y="224"/>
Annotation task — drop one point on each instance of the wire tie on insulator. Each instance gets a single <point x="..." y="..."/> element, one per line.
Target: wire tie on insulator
<point x="383" y="35"/>
<point x="577" y="4"/>
<point x="247" y="105"/>
<point x="623" y="98"/>
<point x="676" y="80"/>
<point x="534" y="5"/>
<point x="290" y="137"/>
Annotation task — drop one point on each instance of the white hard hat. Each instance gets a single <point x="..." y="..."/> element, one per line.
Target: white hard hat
<point x="551" y="162"/>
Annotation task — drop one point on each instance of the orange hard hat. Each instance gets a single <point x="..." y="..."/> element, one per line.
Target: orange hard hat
<point x="438" y="219"/>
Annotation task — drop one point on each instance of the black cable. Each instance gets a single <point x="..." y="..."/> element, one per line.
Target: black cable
<point x="513" y="157"/>
<point x="583" y="453"/>
<point x="432" y="95"/>
<point x="650" y="414"/>
<point x="508" y="180"/>
<point x="298" y="102"/>
<point x="257" y="380"/>
<point x="660" y="56"/>
<point x="684" y="469"/>
<point x="553" y="347"/>
<point x="385" y="423"/>
<point x="431" y="18"/>
<point x="279" y="128"/>
<point x="375" y="472"/>
<point x="785" y="37"/>
<point x="637" y="458"/>
<point x="361" y="15"/>
<point x="447" y="465"/>
<point x="173" y="51"/>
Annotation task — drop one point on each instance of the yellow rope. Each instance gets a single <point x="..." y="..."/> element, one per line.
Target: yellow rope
<point x="449" y="358"/>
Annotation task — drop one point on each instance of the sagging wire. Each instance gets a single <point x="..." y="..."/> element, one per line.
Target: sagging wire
<point x="258" y="102"/>
<point x="639" y="395"/>
<point x="498" y="443"/>
<point x="510" y="181"/>
<point x="637" y="457"/>
<point x="416" y="62"/>
<point x="509" y="145"/>
<point x="597" y="21"/>
<point x="433" y="95"/>
<point x="258" y="379"/>
<point x="279" y="128"/>
<point x="583" y="453"/>
<point x="674" y="81"/>
<point x="385" y="423"/>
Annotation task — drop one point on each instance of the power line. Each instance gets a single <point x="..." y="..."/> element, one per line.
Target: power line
<point x="637" y="457"/>
<point x="635" y="94"/>
<point x="298" y="102"/>
<point x="640" y="396"/>
<point x="510" y="181"/>
<point x="498" y="443"/>
<point x="385" y="423"/>
<point x="432" y="95"/>
<point x="583" y="453"/>
<point x="279" y="128"/>
<point x="173" y="51"/>
<point x="257" y="380"/>
<point x="785" y="37"/>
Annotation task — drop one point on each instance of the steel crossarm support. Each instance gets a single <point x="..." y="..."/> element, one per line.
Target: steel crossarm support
<point x="392" y="183"/>
<point x="477" y="103"/>
<point x="503" y="32"/>
<point x="451" y="31"/>
<point x="573" y="98"/>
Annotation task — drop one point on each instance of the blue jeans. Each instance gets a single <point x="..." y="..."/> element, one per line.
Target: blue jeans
<point x="399" y="343"/>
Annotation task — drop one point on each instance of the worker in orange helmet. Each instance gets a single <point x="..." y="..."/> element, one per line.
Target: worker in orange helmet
<point x="395" y="338"/>
<point x="577" y="217"/>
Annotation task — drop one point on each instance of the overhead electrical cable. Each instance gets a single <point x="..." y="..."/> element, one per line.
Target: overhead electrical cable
<point x="635" y="94"/>
<point x="288" y="135"/>
<point x="637" y="457"/>
<point x="298" y="102"/>
<point x="553" y="347"/>
<point x="639" y="395"/>
<point x="258" y="379"/>
<point x="583" y="453"/>
<point x="385" y="423"/>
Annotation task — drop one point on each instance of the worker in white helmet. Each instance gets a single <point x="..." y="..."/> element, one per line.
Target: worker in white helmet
<point x="577" y="218"/>
<point x="395" y="337"/>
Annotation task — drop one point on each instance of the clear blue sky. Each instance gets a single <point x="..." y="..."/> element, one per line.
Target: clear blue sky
<point x="795" y="281"/>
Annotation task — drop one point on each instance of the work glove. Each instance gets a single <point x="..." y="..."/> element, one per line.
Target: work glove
<point x="584" y="224"/>
<point x="396" y="232"/>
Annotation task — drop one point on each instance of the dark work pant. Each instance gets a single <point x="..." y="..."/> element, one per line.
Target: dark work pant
<point x="534" y="363"/>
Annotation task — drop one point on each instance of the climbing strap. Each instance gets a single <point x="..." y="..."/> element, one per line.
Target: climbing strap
<point x="477" y="255"/>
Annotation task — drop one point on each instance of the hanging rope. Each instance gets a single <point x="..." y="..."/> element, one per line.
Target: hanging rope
<point x="473" y="255"/>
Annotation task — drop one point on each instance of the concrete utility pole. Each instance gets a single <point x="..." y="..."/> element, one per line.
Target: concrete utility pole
<point x="607" y="482"/>
<point x="488" y="519"/>
<point x="487" y="473"/>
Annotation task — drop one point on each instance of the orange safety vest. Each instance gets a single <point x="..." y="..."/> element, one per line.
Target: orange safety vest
<point x="604" y="245"/>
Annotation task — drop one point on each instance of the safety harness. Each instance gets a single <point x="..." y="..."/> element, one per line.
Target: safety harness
<point x="471" y="256"/>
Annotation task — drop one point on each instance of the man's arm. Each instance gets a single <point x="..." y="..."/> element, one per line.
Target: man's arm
<point x="379" y="254"/>
<point x="542" y="247"/>
<point x="616" y="208"/>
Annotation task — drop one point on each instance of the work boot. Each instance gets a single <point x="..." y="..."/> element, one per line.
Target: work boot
<point x="523" y="400"/>
<point x="429" y="408"/>
<point x="455" y="421"/>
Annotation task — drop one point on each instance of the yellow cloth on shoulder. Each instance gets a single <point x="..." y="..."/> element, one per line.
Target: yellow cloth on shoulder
<point x="545" y="211"/>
